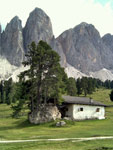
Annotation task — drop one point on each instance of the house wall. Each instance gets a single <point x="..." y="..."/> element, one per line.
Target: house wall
<point x="69" y="112"/>
<point x="89" y="112"/>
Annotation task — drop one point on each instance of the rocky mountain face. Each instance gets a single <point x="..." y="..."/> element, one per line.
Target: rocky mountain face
<point x="58" y="48"/>
<point x="84" y="48"/>
<point x="12" y="42"/>
<point x="108" y="41"/>
<point x="38" y="27"/>
<point x="81" y="48"/>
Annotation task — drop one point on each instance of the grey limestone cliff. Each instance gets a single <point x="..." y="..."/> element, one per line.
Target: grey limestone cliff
<point x="38" y="27"/>
<point x="12" y="42"/>
<point x="84" y="48"/>
<point x="58" y="48"/>
<point x="108" y="41"/>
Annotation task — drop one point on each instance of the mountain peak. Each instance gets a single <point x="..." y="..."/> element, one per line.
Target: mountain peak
<point x="108" y="41"/>
<point x="84" y="24"/>
<point x="107" y="36"/>
<point x="38" y="12"/>
<point x="38" y="27"/>
<point x="12" y="42"/>
<point x="14" y="24"/>
<point x="15" y="20"/>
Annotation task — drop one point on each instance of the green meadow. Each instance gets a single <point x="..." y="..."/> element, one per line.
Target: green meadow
<point x="16" y="129"/>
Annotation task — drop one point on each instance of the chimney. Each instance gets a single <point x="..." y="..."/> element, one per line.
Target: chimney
<point x="91" y="100"/>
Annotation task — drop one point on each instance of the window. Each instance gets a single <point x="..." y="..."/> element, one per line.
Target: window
<point x="98" y="110"/>
<point x="80" y="109"/>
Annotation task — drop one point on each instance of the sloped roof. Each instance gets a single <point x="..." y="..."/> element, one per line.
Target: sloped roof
<point x="81" y="100"/>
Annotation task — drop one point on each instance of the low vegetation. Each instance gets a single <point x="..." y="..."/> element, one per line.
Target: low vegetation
<point x="13" y="129"/>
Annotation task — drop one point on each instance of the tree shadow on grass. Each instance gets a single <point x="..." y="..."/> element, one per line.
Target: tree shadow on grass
<point x="24" y="124"/>
<point x="27" y="124"/>
<point x="104" y="148"/>
<point x="16" y="125"/>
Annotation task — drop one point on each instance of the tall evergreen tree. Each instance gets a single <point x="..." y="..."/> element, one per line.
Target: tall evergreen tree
<point x="45" y="74"/>
<point x="71" y="87"/>
<point x="90" y="86"/>
<point x="84" y="83"/>
<point x="79" y="86"/>
<point x="7" y="90"/>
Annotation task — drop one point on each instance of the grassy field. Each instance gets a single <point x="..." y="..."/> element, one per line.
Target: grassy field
<point x="14" y="129"/>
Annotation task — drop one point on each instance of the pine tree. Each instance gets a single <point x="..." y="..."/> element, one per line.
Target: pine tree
<point x="45" y="74"/>
<point x="79" y="87"/>
<point x="71" y="87"/>
<point x="7" y="90"/>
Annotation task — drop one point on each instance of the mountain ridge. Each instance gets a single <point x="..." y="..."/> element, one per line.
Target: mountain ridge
<point x="81" y="48"/>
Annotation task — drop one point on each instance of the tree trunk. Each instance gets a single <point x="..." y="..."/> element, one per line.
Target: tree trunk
<point x="32" y="104"/>
<point x="38" y="93"/>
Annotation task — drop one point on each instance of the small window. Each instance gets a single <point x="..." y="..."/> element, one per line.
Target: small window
<point x="80" y="109"/>
<point x="98" y="110"/>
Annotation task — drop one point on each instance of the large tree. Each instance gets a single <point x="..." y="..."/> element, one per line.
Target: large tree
<point x="45" y="74"/>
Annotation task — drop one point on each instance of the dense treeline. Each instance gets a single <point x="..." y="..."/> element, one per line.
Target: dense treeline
<point x="11" y="92"/>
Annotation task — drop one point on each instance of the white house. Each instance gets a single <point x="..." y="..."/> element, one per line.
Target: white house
<point x="81" y="108"/>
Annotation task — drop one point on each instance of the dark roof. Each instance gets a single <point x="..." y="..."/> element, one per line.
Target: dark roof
<point x="81" y="100"/>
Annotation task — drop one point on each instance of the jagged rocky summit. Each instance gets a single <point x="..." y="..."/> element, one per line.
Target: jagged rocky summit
<point x="12" y="42"/>
<point x="83" y="52"/>
<point x="38" y="27"/>
<point x="85" y="49"/>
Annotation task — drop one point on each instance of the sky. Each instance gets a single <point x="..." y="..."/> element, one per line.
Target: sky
<point x="64" y="14"/>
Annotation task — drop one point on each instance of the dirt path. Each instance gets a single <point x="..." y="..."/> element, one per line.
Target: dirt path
<point x="61" y="139"/>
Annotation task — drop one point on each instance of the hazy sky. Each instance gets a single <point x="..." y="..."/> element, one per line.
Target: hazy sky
<point x="64" y="14"/>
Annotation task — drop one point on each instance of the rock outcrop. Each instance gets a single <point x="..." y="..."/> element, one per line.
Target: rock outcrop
<point x="84" y="48"/>
<point x="60" y="124"/>
<point x="12" y="42"/>
<point x="45" y="114"/>
<point x="38" y="27"/>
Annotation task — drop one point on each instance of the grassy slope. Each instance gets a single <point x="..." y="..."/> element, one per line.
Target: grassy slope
<point x="21" y="129"/>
